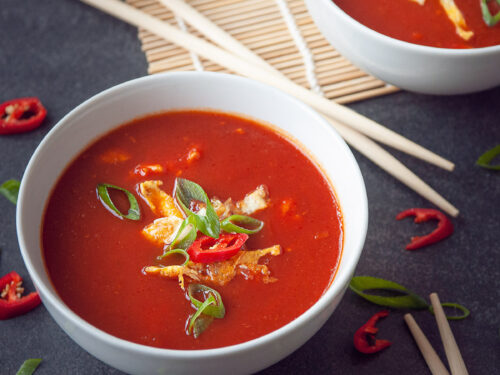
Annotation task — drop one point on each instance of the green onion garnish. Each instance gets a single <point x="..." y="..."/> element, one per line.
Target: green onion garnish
<point x="216" y="310"/>
<point x="486" y="158"/>
<point x="176" y="251"/>
<point x="186" y="234"/>
<point x="409" y="300"/>
<point x="465" y="311"/>
<point x="133" y="213"/>
<point x="200" y="327"/>
<point x="10" y="190"/>
<point x="29" y="366"/>
<point x="188" y="192"/>
<point x="489" y="19"/>
<point x="241" y="224"/>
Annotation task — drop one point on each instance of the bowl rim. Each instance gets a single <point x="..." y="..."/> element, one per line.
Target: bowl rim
<point x="49" y="293"/>
<point x="397" y="43"/>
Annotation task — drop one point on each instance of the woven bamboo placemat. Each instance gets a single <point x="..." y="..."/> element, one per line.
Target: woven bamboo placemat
<point x="280" y="31"/>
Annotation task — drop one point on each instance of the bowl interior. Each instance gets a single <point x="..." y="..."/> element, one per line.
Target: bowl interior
<point x="188" y="91"/>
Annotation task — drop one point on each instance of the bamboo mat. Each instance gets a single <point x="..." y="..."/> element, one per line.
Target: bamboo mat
<point x="280" y="31"/>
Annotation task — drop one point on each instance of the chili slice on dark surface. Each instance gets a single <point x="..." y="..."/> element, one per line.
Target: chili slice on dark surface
<point x="443" y="230"/>
<point x="11" y="302"/>
<point x="364" y="338"/>
<point x="208" y="249"/>
<point x="21" y="115"/>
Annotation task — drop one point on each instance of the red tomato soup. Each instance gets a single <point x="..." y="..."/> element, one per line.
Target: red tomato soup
<point x="428" y="24"/>
<point x="106" y="268"/>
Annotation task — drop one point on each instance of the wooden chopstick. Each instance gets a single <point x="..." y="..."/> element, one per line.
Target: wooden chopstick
<point x="431" y="358"/>
<point x="225" y="40"/>
<point x="242" y="66"/>
<point x="455" y="360"/>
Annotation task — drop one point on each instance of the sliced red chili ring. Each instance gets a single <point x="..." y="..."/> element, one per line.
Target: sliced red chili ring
<point x="364" y="338"/>
<point x="11" y="305"/>
<point x="208" y="249"/>
<point x="21" y="115"/>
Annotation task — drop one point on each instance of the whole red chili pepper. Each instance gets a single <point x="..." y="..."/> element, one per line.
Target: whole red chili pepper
<point x="21" y="115"/>
<point x="11" y="302"/>
<point x="443" y="230"/>
<point x="364" y="338"/>
<point x="208" y="250"/>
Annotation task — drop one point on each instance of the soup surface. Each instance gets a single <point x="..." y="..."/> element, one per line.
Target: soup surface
<point x="428" y="23"/>
<point x="97" y="261"/>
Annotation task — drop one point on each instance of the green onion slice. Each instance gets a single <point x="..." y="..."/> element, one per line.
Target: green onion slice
<point x="188" y="192"/>
<point x="176" y="251"/>
<point x="465" y="311"/>
<point x="200" y="327"/>
<point x="485" y="159"/>
<point x="29" y="366"/>
<point x="186" y="234"/>
<point x="359" y="284"/>
<point x="217" y="309"/>
<point x="241" y="224"/>
<point x="201" y="324"/>
<point x="489" y="19"/>
<point x="10" y="190"/>
<point x="133" y="213"/>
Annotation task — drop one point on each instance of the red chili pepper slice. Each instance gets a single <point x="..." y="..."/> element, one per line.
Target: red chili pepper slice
<point x="364" y="338"/>
<point x="443" y="230"/>
<point x="208" y="250"/>
<point x="21" y="115"/>
<point x="11" y="304"/>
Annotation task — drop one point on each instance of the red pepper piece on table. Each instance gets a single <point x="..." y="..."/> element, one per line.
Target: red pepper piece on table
<point x="443" y="230"/>
<point x="364" y="338"/>
<point x="208" y="250"/>
<point x="21" y="115"/>
<point x="11" y="302"/>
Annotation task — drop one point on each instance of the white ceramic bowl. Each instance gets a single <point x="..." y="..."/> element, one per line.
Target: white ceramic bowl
<point x="221" y="92"/>
<point x="409" y="66"/>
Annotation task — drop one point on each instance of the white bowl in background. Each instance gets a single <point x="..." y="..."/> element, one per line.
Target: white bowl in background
<point x="163" y="92"/>
<point x="413" y="67"/>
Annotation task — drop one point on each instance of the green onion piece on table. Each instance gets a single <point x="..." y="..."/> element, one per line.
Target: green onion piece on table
<point x="176" y="251"/>
<point x="359" y="284"/>
<point x="10" y="190"/>
<point x="133" y="213"/>
<point x="465" y="311"/>
<point x="241" y="224"/>
<point x="486" y="158"/>
<point x="186" y="234"/>
<point x="187" y="193"/>
<point x="200" y="327"/>
<point x="217" y="309"/>
<point x="29" y="366"/>
<point x="489" y="19"/>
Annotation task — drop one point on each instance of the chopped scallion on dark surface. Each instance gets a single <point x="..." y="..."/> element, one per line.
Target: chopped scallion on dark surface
<point x="486" y="158"/>
<point x="10" y="190"/>
<point x="29" y="366"/>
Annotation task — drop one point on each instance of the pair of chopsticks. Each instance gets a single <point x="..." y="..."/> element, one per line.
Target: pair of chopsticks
<point x="455" y="360"/>
<point x="353" y="127"/>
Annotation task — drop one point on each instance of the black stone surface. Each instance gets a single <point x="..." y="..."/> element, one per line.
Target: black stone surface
<point x="64" y="52"/>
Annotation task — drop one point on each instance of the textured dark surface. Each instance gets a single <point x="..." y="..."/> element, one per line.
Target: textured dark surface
<point x="64" y="52"/>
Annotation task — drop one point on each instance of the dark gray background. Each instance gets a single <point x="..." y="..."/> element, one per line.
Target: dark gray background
<point x="64" y="52"/>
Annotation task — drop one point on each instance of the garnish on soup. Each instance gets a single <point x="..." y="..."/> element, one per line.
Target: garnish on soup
<point x="213" y="233"/>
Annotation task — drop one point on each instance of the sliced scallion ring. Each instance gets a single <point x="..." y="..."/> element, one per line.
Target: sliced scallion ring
<point x="10" y="190"/>
<point x="241" y="224"/>
<point x="410" y="300"/>
<point x="465" y="311"/>
<point x="176" y="251"/>
<point x="133" y="213"/>
<point x="186" y="234"/>
<point x="216" y="310"/>
<point x="486" y="158"/>
<point x="489" y="19"/>
<point x="207" y="220"/>
<point x="209" y="301"/>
